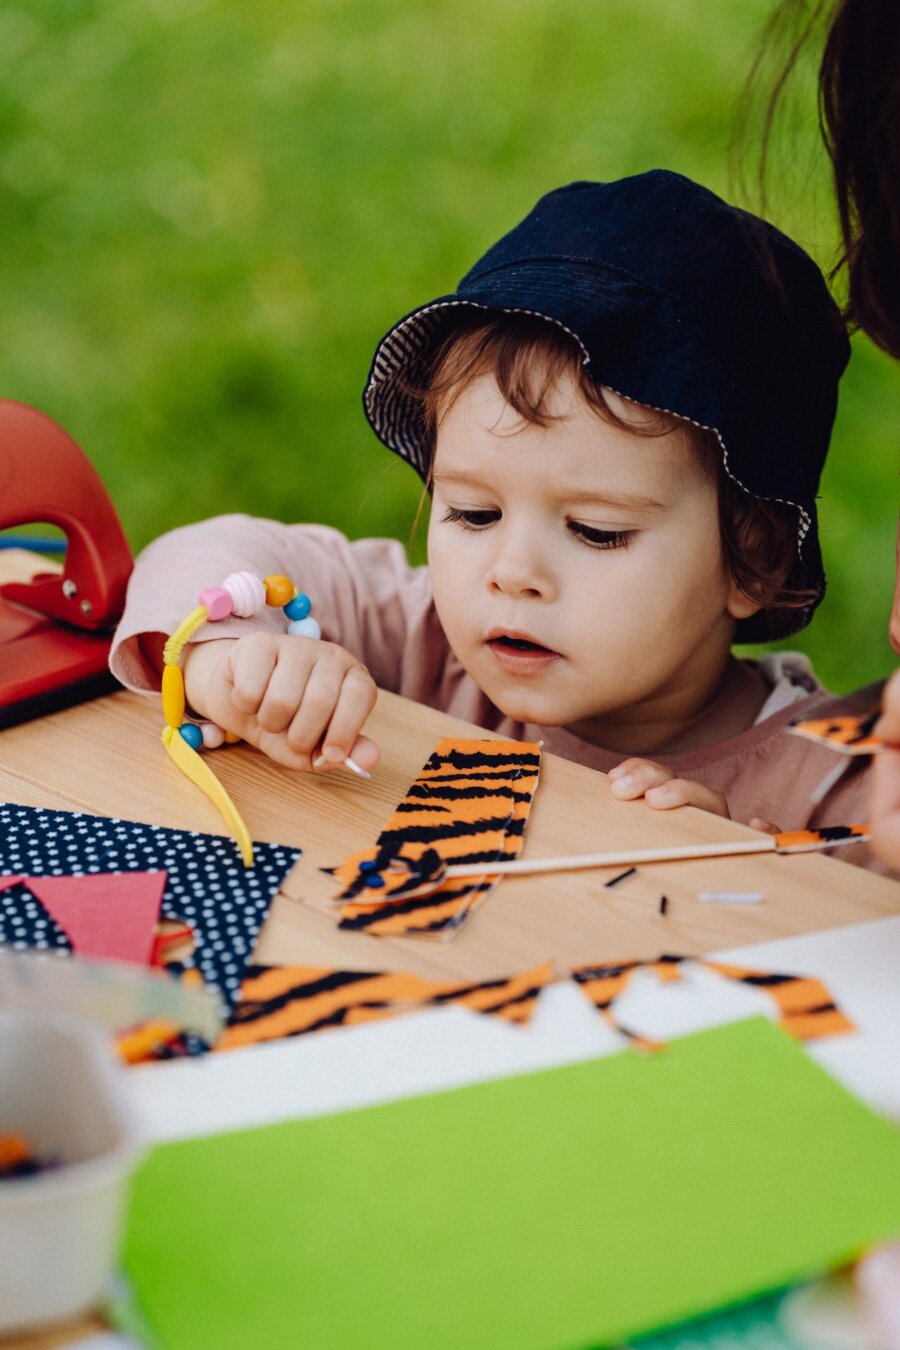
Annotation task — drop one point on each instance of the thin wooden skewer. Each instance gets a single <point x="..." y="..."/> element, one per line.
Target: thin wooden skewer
<point x="574" y="862"/>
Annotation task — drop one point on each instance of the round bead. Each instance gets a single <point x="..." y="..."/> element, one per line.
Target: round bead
<point x="247" y="592"/>
<point x="307" y="627"/>
<point x="279" y="590"/>
<point x="368" y="865"/>
<point x="299" y="607"/>
<point x="217" y="602"/>
<point x="191" y="733"/>
<point x="230" y="738"/>
<point x="213" y="736"/>
<point x="374" y="881"/>
<point x="173" y="695"/>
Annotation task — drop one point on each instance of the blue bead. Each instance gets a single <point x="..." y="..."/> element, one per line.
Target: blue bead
<point x="299" y="607"/>
<point x="368" y="865"/>
<point x="374" y="881"/>
<point x="192" y="734"/>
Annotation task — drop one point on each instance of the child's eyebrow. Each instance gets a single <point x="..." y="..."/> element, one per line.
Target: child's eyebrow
<point x="630" y="501"/>
<point x="627" y="501"/>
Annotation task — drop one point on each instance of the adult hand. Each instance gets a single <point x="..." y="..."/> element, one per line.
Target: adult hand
<point x="885" y="812"/>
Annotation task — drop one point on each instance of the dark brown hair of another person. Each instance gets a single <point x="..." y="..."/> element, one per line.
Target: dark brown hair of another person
<point x="529" y="356"/>
<point x="859" y="117"/>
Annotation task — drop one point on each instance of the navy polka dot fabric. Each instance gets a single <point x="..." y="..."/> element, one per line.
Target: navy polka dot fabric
<point x="207" y="885"/>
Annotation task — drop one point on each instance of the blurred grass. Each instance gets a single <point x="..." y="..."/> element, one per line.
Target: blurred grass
<point x="211" y="211"/>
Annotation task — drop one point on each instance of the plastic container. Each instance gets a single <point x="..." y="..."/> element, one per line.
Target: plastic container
<point x="59" y="1230"/>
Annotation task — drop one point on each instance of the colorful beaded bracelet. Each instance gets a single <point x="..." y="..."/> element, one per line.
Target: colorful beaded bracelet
<point x="242" y="595"/>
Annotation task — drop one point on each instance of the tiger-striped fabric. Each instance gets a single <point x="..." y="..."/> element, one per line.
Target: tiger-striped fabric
<point x="847" y="735"/>
<point x="806" y="1008"/>
<point x="469" y="804"/>
<point x="809" y="841"/>
<point x="603" y="985"/>
<point x="279" y="1001"/>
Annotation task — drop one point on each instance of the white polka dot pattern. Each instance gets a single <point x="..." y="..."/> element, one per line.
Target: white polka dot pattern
<point x="207" y="885"/>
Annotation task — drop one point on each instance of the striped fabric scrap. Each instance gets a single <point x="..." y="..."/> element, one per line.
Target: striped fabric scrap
<point x="469" y="804"/>
<point x="806" y="1009"/>
<point x="278" y="1001"/>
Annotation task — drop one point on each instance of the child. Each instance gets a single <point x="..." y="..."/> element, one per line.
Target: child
<point x="621" y="416"/>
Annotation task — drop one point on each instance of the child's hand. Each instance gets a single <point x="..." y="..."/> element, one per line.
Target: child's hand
<point x="661" y="789"/>
<point x="885" y="814"/>
<point x="295" y="698"/>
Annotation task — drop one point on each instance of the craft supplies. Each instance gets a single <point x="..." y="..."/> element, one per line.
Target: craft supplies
<point x="746" y="1146"/>
<point x="622" y="876"/>
<point x="203" y="889"/>
<point x="730" y="897"/>
<point x="279" y="1001"/>
<point x="59" y="1229"/>
<point x="243" y="595"/>
<point x="17" y="1159"/>
<point x="847" y="735"/>
<point x="409" y="872"/>
<point x="470" y="802"/>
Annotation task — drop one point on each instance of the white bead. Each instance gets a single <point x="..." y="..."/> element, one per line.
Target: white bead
<point x="213" y="736"/>
<point x="247" y="592"/>
<point x="307" y="627"/>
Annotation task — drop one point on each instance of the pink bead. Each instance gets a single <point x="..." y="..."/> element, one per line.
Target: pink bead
<point x="213" y="736"/>
<point x="217" y="602"/>
<point x="247" y="592"/>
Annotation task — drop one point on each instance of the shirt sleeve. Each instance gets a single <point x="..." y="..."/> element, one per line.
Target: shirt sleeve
<point x="365" y="595"/>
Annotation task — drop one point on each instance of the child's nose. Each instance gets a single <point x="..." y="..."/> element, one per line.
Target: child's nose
<point x="519" y="568"/>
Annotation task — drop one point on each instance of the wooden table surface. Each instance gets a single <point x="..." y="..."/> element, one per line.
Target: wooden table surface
<point x="105" y="757"/>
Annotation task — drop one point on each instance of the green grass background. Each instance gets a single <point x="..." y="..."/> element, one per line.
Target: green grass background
<point x="212" y="209"/>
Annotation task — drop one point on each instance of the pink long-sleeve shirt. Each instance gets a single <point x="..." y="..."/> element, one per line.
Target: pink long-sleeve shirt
<point x="370" y="600"/>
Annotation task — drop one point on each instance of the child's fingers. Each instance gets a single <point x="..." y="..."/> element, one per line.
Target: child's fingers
<point x="682" y="792"/>
<point x="355" y="701"/>
<point x="251" y="663"/>
<point x="633" y="777"/>
<point x="287" y="684"/>
<point x="320" y="699"/>
<point x="365" y="753"/>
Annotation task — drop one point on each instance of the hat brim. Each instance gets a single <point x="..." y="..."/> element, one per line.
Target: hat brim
<point x="393" y="405"/>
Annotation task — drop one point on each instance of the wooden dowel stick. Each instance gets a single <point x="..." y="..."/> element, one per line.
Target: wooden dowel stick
<point x="573" y="862"/>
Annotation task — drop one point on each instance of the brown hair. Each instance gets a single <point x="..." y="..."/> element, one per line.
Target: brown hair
<point x="528" y="355"/>
<point x="859" y="117"/>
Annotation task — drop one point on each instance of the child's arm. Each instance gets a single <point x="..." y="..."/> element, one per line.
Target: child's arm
<point x="295" y="698"/>
<point x="660" y="788"/>
<point x="885" y="813"/>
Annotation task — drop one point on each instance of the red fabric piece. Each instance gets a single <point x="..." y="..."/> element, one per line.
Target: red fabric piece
<point x="107" y="914"/>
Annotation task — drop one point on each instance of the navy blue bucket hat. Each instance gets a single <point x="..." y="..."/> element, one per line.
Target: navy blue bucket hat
<point x="678" y="301"/>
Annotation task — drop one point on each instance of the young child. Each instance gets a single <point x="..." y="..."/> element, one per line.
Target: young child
<point x="621" y="415"/>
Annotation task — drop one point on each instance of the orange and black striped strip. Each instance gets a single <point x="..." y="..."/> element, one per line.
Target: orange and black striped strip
<point x="279" y="1001"/>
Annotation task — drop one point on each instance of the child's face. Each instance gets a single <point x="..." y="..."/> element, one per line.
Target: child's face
<point x="577" y="567"/>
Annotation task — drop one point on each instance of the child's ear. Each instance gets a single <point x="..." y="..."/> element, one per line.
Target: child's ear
<point x="738" y="604"/>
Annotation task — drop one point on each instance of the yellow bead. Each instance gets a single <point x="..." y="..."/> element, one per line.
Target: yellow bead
<point x="173" y="696"/>
<point x="279" y="590"/>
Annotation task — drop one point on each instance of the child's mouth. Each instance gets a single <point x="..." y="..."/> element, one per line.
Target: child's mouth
<point x="520" y="654"/>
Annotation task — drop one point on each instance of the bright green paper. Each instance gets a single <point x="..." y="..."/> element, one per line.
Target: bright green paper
<point x="570" y="1208"/>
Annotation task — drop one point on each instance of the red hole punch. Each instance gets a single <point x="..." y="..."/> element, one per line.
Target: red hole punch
<point x="55" y="629"/>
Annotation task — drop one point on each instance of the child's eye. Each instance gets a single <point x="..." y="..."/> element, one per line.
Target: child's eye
<point x="470" y="519"/>
<point x="602" y="538"/>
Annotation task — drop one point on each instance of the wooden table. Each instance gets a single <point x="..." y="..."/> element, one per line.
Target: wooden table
<point x="105" y="757"/>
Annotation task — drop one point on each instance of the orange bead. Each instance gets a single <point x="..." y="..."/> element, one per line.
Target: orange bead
<point x="231" y="738"/>
<point x="279" y="590"/>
